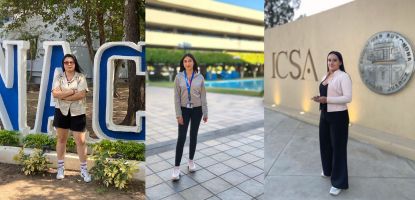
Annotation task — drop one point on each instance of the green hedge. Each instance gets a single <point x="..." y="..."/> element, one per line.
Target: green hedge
<point x="9" y="138"/>
<point x="40" y="140"/>
<point x="127" y="150"/>
<point x="172" y="57"/>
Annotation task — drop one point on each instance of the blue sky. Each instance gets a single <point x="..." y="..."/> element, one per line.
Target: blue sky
<point x="253" y="4"/>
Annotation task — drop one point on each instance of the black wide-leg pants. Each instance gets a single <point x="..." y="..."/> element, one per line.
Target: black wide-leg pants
<point x="333" y="134"/>
<point x="192" y="116"/>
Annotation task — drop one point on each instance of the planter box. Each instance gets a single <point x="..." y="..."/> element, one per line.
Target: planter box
<point x="71" y="160"/>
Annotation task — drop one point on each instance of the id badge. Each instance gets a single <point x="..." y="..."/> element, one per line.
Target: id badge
<point x="189" y="105"/>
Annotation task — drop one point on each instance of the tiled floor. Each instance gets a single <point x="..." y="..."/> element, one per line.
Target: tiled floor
<point x="229" y="153"/>
<point x="226" y="170"/>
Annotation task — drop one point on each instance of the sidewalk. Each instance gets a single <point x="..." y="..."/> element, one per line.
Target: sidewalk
<point x="293" y="167"/>
<point x="229" y="153"/>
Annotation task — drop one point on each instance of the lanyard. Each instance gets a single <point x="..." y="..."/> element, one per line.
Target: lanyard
<point x="188" y="85"/>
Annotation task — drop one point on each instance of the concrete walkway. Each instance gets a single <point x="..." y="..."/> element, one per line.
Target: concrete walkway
<point x="229" y="153"/>
<point x="293" y="166"/>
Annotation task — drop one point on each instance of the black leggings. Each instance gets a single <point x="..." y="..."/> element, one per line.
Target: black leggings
<point x="334" y="131"/>
<point x="193" y="115"/>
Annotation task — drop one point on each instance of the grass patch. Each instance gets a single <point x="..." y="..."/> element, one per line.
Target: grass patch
<point x="162" y="84"/>
<point x="167" y="84"/>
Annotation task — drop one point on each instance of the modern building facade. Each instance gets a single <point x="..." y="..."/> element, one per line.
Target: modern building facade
<point x="203" y="25"/>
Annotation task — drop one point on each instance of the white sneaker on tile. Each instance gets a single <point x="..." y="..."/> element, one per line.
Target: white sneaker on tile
<point x="335" y="191"/>
<point x="176" y="174"/>
<point x="192" y="166"/>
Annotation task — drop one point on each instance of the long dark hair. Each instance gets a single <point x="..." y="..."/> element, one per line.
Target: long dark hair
<point x="340" y="57"/>
<point x="77" y="67"/>
<point x="195" y="65"/>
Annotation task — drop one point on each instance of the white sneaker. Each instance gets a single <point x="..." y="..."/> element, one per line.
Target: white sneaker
<point x="61" y="173"/>
<point x="335" y="191"/>
<point x="324" y="176"/>
<point x="86" y="176"/>
<point x="192" y="166"/>
<point x="176" y="174"/>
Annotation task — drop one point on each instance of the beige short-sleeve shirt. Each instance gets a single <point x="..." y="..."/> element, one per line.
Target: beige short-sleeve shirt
<point x="77" y="83"/>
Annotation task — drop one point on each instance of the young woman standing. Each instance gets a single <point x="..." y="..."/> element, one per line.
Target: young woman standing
<point x="69" y="90"/>
<point x="191" y="106"/>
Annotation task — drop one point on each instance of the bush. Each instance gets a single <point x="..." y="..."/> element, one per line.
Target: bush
<point x="41" y="141"/>
<point x="9" y="138"/>
<point x="128" y="150"/>
<point x="117" y="172"/>
<point x="37" y="163"/>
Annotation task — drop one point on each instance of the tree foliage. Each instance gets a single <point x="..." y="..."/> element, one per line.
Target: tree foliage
<point x="279" y="12"/>
<point x="172" y="57"/>
<point x="85" y="20"/>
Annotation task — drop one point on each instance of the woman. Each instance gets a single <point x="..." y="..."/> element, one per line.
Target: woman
<point x="335" y="93"/>
<point x="69" y="90"/>
<point x="191" y="105"/>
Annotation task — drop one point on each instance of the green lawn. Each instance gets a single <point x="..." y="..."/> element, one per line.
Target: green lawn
<point x="214" y="90"/>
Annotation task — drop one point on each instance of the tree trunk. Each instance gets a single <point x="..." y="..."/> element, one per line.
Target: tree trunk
<point x="136" y="98"/>
<point x="118" y="65"/>
<point x="88" y="38"/>
<point x="101" y="29"/>
<point x="33" y="53"/>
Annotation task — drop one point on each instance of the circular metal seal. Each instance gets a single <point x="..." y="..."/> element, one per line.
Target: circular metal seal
<point x="386" y="63"/>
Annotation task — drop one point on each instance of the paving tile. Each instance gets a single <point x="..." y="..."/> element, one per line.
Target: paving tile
<point x="167" y="155"/>
<point x="250" y="170"/>
<point x="249" y="158"/>
<point x="160" y="166"/>
<point x="252" y="187"/>
<point x="165" y="174"/>
<point x="148" y="171"/>
<point x="220" y="157"/>
<point x="211" y="143"/>
<point x="234" y="194"/>
<point x="234" y="152"/>
<point x="213" y="198"/>
<point x="196" y="192"/>
<point x="234" y="163"/>
<point x="202" y="175"/>
<point x="219" y="169"/>
<point x="183" y="183"/>
<point x="235" y="143"/>
<point x="223" y="147"/>
<point x="159" y="191"/>
<point x="209" y="151"/>
<point x="234" y="177"/>
<point x="174" y="197"/>
<point x="258" y="152"/>
<point x="206" y="162"/>
<point x="216" y="185"/>
<point x="260" y="178"/>
<point x="247" y="148"/>
<point x="153" y="180"/>
<point x="153" y="159"/>
<point x="258" y="144"/>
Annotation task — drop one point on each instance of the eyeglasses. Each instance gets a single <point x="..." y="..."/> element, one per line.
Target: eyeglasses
<point x="68" y="62"/>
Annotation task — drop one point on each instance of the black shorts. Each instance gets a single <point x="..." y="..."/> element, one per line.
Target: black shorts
<point x="74" y="123"/>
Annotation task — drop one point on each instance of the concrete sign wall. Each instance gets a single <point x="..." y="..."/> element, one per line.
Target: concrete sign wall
<point x="295" y="62"/>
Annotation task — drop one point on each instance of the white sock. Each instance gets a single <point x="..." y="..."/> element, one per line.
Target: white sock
<point x="83" y="166"/>
<point x="61" y="163"/>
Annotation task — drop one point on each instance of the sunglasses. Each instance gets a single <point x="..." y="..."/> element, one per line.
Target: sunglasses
<point x="68" y="62"/>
